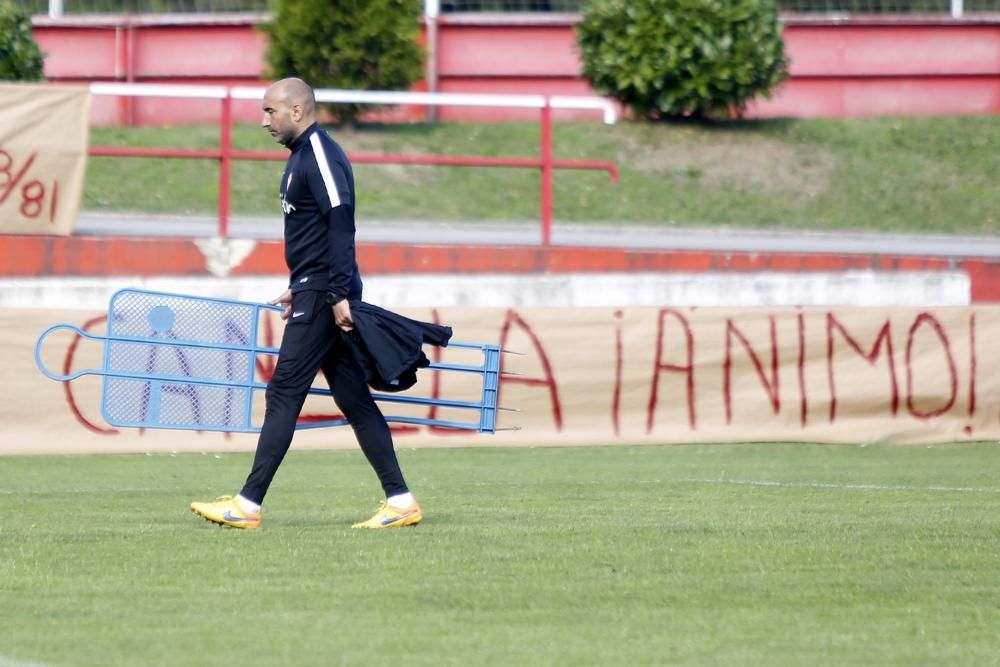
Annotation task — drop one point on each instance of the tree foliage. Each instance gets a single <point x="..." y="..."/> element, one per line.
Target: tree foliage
<point x="671" y="58"/>
<point x="349" y="44"/>
<point x="20" y="57"/>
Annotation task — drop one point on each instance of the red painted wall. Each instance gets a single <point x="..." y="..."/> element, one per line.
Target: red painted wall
<point x="889" y="68"/>
<point x="36" y="256"/>
<point x="846" y="68"/>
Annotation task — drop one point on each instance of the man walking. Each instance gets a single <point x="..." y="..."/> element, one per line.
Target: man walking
<point x="317" y="197"/>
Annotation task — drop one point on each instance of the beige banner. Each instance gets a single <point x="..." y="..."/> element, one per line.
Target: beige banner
<point x="603" y="376"/>
<point x="43" y="157"/>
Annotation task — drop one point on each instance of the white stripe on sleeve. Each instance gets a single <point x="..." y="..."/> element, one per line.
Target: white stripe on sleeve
<point x="324" y="169"/>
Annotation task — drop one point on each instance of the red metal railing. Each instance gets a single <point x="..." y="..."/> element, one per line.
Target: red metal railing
<point x="225" y="153"/>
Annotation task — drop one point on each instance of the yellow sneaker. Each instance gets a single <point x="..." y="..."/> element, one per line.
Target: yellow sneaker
<point x="225" y="511"/>
<point x="393" y="517"/>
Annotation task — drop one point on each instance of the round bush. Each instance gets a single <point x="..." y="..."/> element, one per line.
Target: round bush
<point x="20" y="57"/>
<point x="349" y="44"/>
<point x="672" y="58"/>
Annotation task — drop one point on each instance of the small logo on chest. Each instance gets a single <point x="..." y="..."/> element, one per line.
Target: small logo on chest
<point x="286" y="205"/>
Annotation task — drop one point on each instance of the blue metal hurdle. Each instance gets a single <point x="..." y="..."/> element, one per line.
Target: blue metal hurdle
<point x="175" y="361"/>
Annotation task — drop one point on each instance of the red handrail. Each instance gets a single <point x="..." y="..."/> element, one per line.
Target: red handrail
<point x="225" y="154"/>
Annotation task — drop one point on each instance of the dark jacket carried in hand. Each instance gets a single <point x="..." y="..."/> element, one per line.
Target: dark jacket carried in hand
<point x="389" y="346"/>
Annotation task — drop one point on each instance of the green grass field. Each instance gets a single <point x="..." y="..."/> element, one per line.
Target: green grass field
<point x="690" y="555"/>
<point x="888" y="174"/>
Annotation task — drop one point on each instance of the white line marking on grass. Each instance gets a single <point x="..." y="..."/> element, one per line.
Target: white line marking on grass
<point x="10" y="662"/>
<point x="851" y="487"/>
<point x="124" y="489"/>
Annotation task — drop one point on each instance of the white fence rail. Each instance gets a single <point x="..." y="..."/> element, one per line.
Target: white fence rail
<point x="377" y="97"/>
<point x="59" y="8"/>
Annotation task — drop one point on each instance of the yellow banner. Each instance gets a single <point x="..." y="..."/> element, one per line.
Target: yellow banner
<point x="602" y="376"/>
<point x="43" y="157"/>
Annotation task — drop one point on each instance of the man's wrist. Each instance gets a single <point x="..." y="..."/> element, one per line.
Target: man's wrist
<point x="332" y="298"/>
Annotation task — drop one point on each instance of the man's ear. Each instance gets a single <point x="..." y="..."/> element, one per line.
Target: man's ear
<point x="297" y="112"/>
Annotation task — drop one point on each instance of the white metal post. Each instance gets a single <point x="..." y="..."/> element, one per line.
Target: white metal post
<point x="956" y="9"/>
<point x="55" y="9"/>
<point x="431" y="10"/>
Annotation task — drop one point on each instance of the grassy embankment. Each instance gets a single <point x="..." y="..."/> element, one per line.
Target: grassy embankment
<point x="904" y="175"/>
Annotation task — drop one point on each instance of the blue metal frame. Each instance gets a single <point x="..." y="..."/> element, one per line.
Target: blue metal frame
<point x="489" y="370"/>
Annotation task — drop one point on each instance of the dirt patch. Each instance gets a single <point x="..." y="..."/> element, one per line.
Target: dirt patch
<point x="355" y="142"/>
<point x="395" y="173"/>
<point x="742" y="161"/>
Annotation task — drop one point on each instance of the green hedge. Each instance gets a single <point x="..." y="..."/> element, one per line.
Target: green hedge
<point x="351" y="44"/>
<point x="672" y="58"/>
<point x="20" y="57"/>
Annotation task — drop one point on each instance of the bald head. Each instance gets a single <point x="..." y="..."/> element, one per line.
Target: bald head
<point x="289" y="109"/>
<point x="293" y="92"/>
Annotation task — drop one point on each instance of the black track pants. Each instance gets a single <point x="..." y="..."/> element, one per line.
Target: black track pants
<point x="312" y="342"/>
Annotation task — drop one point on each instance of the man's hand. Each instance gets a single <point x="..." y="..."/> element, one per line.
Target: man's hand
<point x="342" y="315"/>
<point x="284" y="300"/>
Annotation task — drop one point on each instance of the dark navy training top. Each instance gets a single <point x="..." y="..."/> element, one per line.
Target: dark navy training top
<point x="317" y="197"/>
